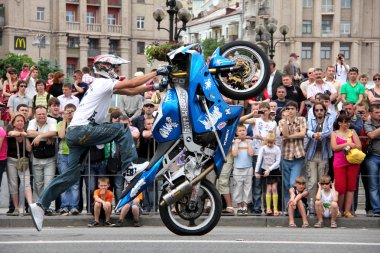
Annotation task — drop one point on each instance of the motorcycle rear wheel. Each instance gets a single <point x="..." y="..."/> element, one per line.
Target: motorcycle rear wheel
<point x="239" y="85"/>
<point x="181" y="220"/>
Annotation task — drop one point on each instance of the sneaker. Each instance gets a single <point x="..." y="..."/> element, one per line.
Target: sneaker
<point x="256" y="212"/>
<point x="119" y="223"/>
<point x="10" y="210"/>
<point x="136" y="223"/>
<point x="245" y="211"/>
<point x="74" y="211"/>
<point x="376" y="215"/>
<point x="369" y="213"/>
<point x="63" y="211"/>
<point x="93" y="224"/>
<point x="37" y="215"/>
<point x="16" y="212"/>
<point x="133" y="170"/>
<point x="49" y="212"/>
<point x="239" y="212"/>
<point x="108" y="224"/>
<point x="348" y="214"/>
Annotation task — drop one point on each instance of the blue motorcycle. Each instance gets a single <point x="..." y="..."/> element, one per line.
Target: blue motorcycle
<point x="195" y="128"/>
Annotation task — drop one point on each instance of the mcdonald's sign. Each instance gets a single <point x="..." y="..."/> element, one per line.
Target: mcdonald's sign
<point x="20" y="43"/>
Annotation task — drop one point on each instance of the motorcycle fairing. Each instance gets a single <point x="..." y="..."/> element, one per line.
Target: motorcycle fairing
<point x="218" y="61"/>
<point x="146" y="178"/>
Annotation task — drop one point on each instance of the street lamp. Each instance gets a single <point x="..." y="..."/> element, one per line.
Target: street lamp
<point x="41" y="42"/>
<point x="176" y="13"/>
<point x="264" y="32"/>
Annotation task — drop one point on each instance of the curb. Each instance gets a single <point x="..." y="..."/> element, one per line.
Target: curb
<point x="155" y="220"/>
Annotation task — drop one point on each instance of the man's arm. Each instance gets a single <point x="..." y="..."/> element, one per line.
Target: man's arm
<point x="133" y="91"/>
<point x="135" y="82"/>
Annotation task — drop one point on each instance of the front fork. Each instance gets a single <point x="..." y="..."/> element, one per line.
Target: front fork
<point x="185" y="188"/>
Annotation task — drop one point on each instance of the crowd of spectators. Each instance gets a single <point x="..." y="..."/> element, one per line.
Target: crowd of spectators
<point x="291" y="140"/>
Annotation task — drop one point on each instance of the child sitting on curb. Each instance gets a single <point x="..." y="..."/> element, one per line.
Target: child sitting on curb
<point x="298" y="202"/>
<point x="326" y="202"/>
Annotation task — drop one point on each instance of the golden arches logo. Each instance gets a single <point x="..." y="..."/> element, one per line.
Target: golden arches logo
<point x="20" y="43"/>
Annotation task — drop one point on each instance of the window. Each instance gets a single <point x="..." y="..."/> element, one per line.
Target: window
<point x="73" y="42"/>
<point x="140" y="47"/>
<point x="326" y="24"/>
<point x="306" y="26"/>
<point x="325" y="51"/>
<point x="307" y="51"/>
<point x="307" y="3"/>
<point x="92" y="44"/>
<point x="345" y="27"/>
<point x="140" y="69"/>
<point x="345" y="4"/>
<point x="141" y="1"/>
<point x="114" y="45"/>
<point x="140" y="22"/>
<point x="111" y="19"/>
<point x="345" y="49"/>
<point x="70" y="16"/>
<point x="327" y="6"/>
<point x="90" y="18"/>
<point x="40" y="13"/>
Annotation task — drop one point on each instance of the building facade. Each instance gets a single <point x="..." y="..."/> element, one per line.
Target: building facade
<point x="318" y="29"/>
<point x="72" y="32"/>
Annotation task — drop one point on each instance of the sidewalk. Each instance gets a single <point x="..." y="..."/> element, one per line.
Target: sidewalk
<point x="153" y="219"/>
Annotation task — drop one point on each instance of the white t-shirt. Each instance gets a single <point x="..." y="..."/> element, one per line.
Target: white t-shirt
<point x="262" y="129"/>
<point x="95" y="103"/>
<point x="31" y="91"/>
<point x="340" y="73"/>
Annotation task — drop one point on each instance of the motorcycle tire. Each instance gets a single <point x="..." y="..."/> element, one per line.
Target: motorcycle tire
<point x="172" y="220"/>
<point x="239" y="86"/>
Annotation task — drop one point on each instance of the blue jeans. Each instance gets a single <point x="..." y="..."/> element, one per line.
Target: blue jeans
<point x="69" y="198"/>
<point x="119" y="185"/>
<point x="80" y="139"/>
<point x="373" y="166"/>
<point x="291" y="170"/>
<point x="256" y="189"/>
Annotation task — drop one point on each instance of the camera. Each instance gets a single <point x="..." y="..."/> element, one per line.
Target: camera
<point x="340" y="58"/>
<point x="260" y="112"/>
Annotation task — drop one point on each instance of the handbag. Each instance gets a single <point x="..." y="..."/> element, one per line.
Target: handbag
<point x="354" y="155"/>
<point x="22" y="162"/>
<point x="44" y="150"/>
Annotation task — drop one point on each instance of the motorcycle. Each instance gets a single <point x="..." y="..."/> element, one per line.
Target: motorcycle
<point x="194" y="129"/>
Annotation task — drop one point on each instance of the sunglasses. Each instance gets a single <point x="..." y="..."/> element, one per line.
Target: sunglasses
<point x="300" y="182"/>
<point x="310" y="73"/>
<point x="151" y="106"/>
<point x="12" y="73"/>
<point x="22" y="86"/>
<point x="319" y="110"/>
<point x="361" y="112"/>
<point x="325" y="183"/>
<point x="377" y="79"/>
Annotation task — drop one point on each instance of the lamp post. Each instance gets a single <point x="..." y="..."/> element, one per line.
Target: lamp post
<point x="176" y="13"/>
<point x="41" y="42"/>
<point x="269" y="30"/>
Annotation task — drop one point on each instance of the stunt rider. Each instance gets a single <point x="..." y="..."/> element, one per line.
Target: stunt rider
<point x="87" y="128"/>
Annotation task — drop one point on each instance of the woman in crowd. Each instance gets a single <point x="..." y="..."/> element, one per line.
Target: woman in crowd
<point x="345" y="173"/>
<point x="56" y="88"/>
<point x="374" y="93"/>
<point x="9" y="88"/>
<point x="15" y="151"/>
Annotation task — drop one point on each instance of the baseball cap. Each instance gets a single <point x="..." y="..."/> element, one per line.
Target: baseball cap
<point x="148" y="102"/>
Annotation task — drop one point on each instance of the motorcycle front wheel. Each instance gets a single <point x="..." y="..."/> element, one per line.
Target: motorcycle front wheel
<point x="255" y="66"/>
<point x="189" y="217"/>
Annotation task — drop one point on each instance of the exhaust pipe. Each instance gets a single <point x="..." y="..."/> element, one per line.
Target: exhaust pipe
<point x="181" y="190"/>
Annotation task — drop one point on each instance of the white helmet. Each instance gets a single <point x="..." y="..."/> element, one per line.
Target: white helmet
<point x="105" y="64"/>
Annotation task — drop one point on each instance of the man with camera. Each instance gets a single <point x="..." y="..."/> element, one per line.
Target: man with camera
<point x="341" y="68"/>
<point x="320" y="86"/>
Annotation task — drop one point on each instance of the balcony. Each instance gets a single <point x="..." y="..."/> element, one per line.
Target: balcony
<point x="114" y="28"/>
<point x="72" y="1"/>
<point x="72" y="26"/>
<point x="114" y="3"/>
<point x="94" y="28"/>
<point x="93" y="2"/>
<point x="327" y="9"/>
<point x="93" y="52"/>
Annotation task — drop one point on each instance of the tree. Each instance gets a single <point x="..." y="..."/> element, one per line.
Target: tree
<point x="16" y="61"/>
<point x="209" y="46"/>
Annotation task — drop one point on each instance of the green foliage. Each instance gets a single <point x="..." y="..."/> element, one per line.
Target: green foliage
<point x="45" y="67"/>
<point x="16" y="61"/>
<point x="158" y="51"/>
<point x="209" y="46"/>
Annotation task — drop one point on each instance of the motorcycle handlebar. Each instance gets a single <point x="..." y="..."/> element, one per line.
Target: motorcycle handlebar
<point x="212" y="71"/>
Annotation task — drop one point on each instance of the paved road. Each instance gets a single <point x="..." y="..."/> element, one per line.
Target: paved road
<point x="159" y="239"/>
